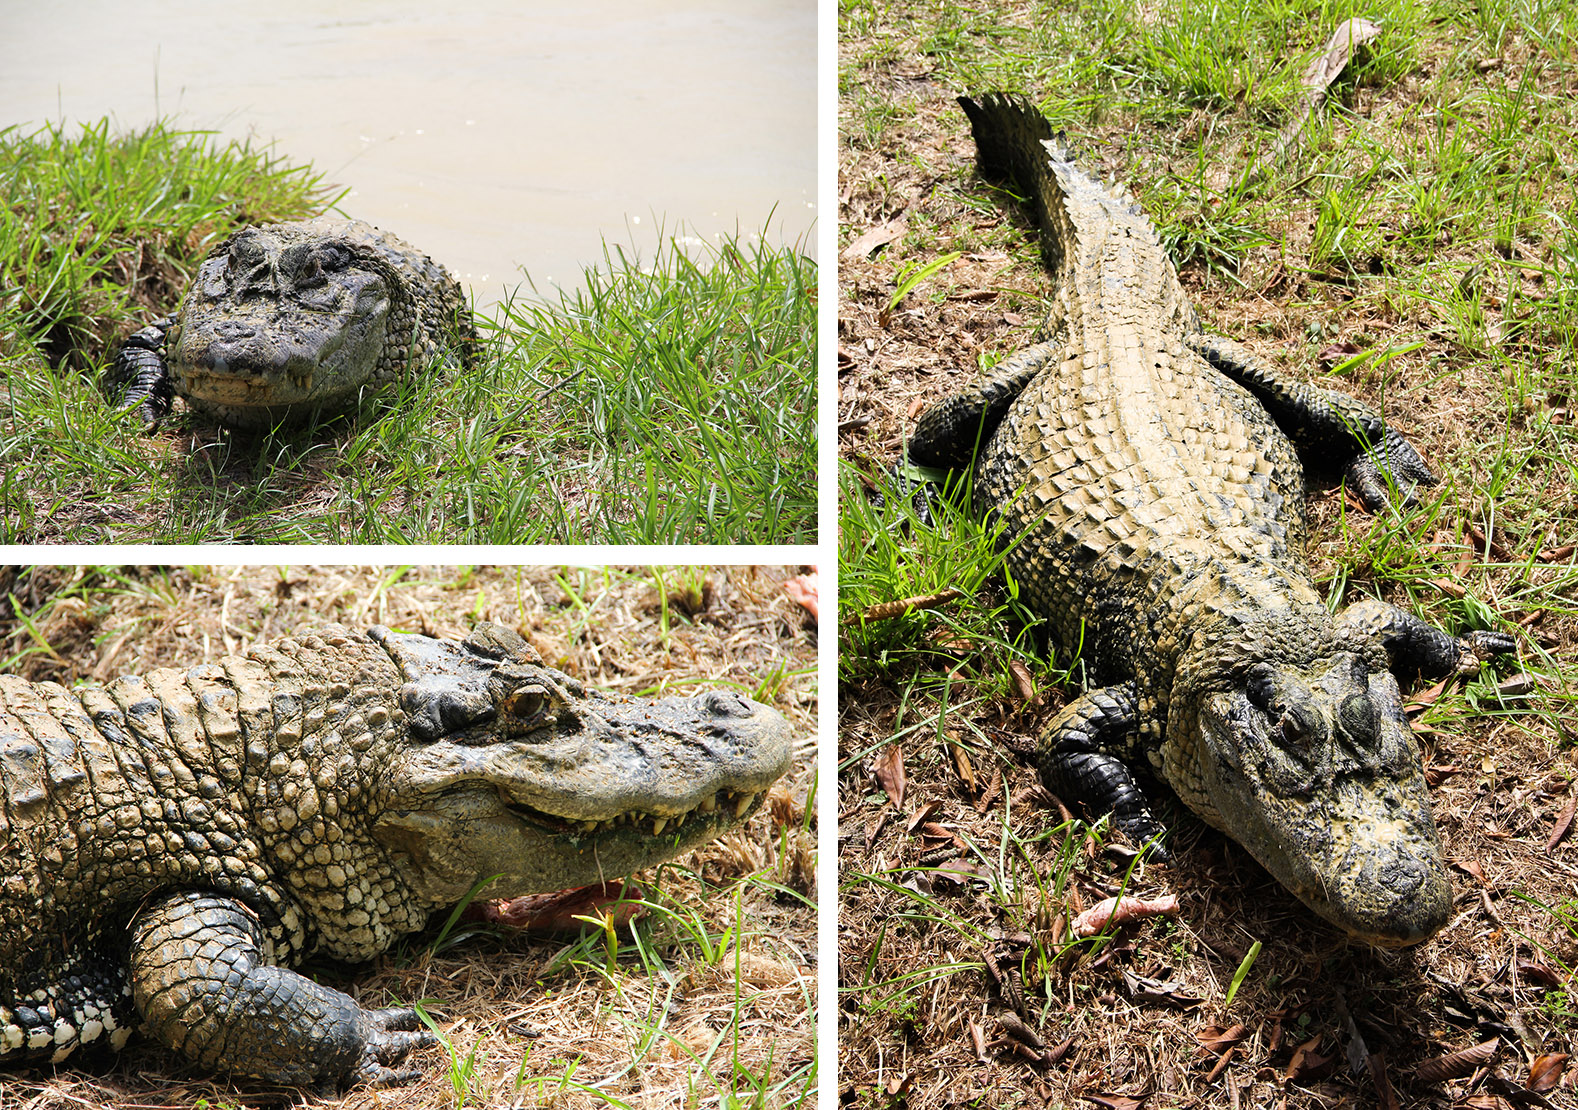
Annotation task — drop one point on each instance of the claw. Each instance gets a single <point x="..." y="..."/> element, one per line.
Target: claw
<point x="392" y="1034"/>
<point x="1404" y="464"/>
<point x="1477" y="646"/>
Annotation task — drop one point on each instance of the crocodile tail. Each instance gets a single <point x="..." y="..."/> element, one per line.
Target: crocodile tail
<point x="1015" y="144"/>
<point x="1009" y="133"/>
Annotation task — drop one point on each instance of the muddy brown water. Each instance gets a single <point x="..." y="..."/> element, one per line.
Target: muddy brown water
<point x="494" y="135"/>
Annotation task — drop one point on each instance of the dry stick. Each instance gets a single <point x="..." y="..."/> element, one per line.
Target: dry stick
<point x="887" y="610"/>
<point x="1347" y="38"/>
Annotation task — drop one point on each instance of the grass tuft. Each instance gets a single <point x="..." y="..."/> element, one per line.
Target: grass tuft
<point x="669" y="399"/>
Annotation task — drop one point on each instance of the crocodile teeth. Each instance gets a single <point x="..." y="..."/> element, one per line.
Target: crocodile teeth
<point x="588" y="826"/>
<point x="709" y="803"/>
<point x="657" y="824"/>
<point x="743" y="804"/>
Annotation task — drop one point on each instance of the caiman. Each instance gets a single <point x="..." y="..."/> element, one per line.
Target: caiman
<point x="1153" y="504"/>
<point x="171" y="845"/>
<point x="286" y="320"/>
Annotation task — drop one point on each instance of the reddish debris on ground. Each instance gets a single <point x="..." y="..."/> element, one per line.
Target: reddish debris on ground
<point x="561" y="912"/>
<point x="802" y="588"/>
<point x="1118" y="911"/>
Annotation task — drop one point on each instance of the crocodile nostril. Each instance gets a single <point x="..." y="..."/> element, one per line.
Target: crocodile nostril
<point x="722" y="701"/>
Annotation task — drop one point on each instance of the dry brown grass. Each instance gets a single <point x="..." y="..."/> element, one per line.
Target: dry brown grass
<point x="583" y="1032"/>
<point x="1501" y="783"/>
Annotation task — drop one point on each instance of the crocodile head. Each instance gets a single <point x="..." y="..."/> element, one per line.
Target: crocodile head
<point x="1315" y="771"/>
<point x="285" y="318"/>
<point x="517" y="771"/>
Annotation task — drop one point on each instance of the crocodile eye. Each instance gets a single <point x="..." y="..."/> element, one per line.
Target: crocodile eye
<point x="1260" y="686"/>
<point x="331" y="259"/>
<point x="527" y="705"/>
<point x="1301" y="728"/>
<point x="1358" y="717"/>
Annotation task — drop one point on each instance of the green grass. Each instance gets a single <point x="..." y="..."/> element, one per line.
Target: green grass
<point x="97" y="225"/>
<point x="667" y="399"/>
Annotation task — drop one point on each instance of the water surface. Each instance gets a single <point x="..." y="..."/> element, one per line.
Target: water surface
<point x="492" y="135"/>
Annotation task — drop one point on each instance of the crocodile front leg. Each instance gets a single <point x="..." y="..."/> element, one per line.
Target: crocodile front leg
<point x="1075" y="753"/>
<point x="1328" y="427"/>
<point x="1413" y="644"/>
<point x="139" y="377"/>
<point x="201" y="980"/>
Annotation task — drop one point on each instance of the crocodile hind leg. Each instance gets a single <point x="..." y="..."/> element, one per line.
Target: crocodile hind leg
<point x="951" y="432"/>
<point x="1076" y="762"/>
<point x="1413" y="644"/>
<point x="202" y="982"/>
<point x="139" y="378"/>
<point x="1328" y="427"/>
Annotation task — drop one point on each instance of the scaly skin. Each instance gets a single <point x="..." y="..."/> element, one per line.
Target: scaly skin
<point x="172" y="844"/>
<point x="285" y="320"/>
<point x="1154" y="502"/>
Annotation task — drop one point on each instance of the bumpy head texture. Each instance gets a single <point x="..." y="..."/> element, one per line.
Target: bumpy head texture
<point x="284" y="319"/>
<point x="519" y="754"/>
<point x="1311" y="766"/>
<point x="172" y="843"/>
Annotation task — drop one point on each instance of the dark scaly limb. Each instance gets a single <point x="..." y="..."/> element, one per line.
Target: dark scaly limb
<point x="202" y="981"/>
<point x="1077" y="763"/>
<point x="138" y="378"/>
<point x="1415" y="645"/>
<point x="1328" y="427"/>
<point x="951" y="432"/>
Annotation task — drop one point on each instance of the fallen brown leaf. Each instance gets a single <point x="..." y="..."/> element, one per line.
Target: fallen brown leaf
<point x="961" y="763"/>
<point x="1546" y="1071"/>
<point x="1309" y="1066"/>
<point x="562" y="912"/>
<point x="1472" y="867"/>
<point x="1023" y="680"/>
<point x="1117" y="1102"/>
<point x="978" y="1042"/>
<point x="1215" y="1039"/>
<point x="1425" y="698"/>
<point x="1383" y="1081"/>
<point x="1454" y="1065"/>
<point x="922" y="815"/>
<point x="865" y="244"/>
<point x="1143" y="988"/>
<point x="962" y="871"/>
<point x="1337" y="352"/>
<point x="1538" y="974"/>
<point x="1563" y="823"/>
<point x="889" y="772"/>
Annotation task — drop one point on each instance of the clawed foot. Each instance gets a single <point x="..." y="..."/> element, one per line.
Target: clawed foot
<point x="392" y="1034"/>
<point x="1407" y="469"/>
<point x="1476" y="647"/>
